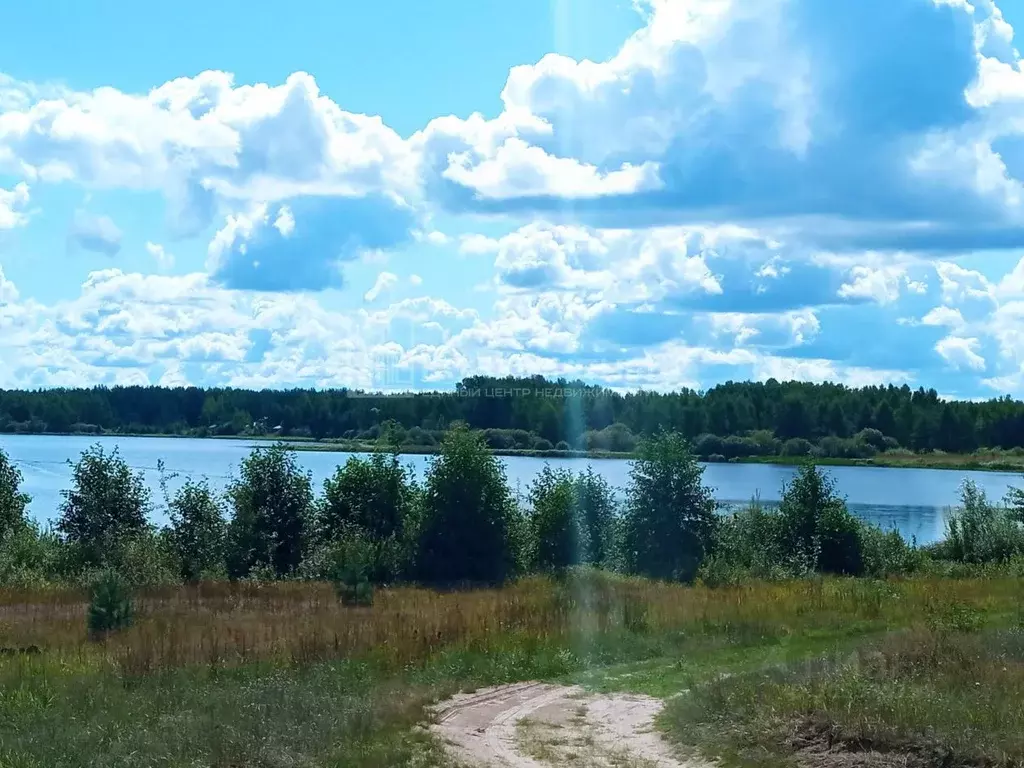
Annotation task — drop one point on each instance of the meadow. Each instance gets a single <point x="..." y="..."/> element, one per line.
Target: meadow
<point x="284" y="675"/>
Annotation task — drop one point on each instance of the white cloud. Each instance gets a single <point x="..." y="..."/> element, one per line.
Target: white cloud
<point x="164" y="260"/>
<point x="8" y="291"/>
<point x="415" y="280"/>
<point x="194" y="136"/>
<point x="95" y="233"/>
<point x="384" y="283"/>
<point x="12" y="206"/>
<point x="961" y="353"/>
<point x="944" y="316"/>
<point x="879" y="285"/>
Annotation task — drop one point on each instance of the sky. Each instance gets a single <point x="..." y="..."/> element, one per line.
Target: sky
<point x="644" y="194"/>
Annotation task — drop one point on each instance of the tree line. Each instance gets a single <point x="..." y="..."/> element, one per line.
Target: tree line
<point x="544" y="414"/>
<point x="373" y="523"/>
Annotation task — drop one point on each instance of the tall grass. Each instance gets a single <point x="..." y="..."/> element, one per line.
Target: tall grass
<point x="225" y="624"/>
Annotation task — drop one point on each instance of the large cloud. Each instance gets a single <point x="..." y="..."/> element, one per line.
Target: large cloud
<point x="202" y="140"/>
<point x="301" y="245"/>
<point x="886" y="113"/>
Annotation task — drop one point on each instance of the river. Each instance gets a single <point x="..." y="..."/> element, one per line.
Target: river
<point x="914" y="501"/>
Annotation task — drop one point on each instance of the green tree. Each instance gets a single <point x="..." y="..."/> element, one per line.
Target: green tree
<point x="106" y="504"/>
<point x="817" y="532"/>
<point x="468" y="530"/>
<point x="12" y="501"/>
<point x="197" y="531"/>
<point x="273" y="513"/>
<point x="884" y="419"/>
<point x="670" y="515"/>
<point x="374" y="494"/>
<point x="557" y="532"/>
<point x="596" y="502"/>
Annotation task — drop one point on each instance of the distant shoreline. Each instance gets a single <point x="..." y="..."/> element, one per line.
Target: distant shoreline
<point x="949" y="461"/>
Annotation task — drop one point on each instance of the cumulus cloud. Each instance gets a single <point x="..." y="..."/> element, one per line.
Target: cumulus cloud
<point x="203" y="139"/>
<point x="8" y="291"/>
<point x="961" y="353"/>
<point x="735" y="111"/>
<point x="163" y="259"/>
<point x="12" y="206"/>
<point x="301" y="245"/>
<point x="95" y="233"/>
<point x="385" y="282"/>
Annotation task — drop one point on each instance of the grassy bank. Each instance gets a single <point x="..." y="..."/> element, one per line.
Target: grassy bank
<point x="937" y="695"/>
<point x="283" y="675"/>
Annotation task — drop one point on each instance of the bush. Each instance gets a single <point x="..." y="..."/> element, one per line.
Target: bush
<point x="747" y="545"/>
<point x="708" y="445"/>
<point x="351" y="562"/>
<point x="980" y="532"/>
<point x="467" y="534"/>
<point x="561" y="445"/>
<point x="110" y="607"/>
<point x="796" y="446"/>
<point x="197" y="532"/>
<point x="273" y="513"/>
<point x="542" y="445"/>
<point x="670" y="516"/>
<point x="107" y="502"/>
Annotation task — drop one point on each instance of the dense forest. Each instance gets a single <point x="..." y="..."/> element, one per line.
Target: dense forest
<point x="731" y="419"/>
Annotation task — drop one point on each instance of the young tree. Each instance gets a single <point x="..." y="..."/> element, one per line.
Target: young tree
<point x="374" y="494"/>
<point x="467" y="531"/>
<point x="596" y="504"/>
<point x="816" y="530"/>
<point x="12" y="501"/>
<point x="558" y="535"/>
<point x="273" y="506"/>
<point x="670" y="516"/>
<point x="197" y="531"/>
<point x="106" y="505"/>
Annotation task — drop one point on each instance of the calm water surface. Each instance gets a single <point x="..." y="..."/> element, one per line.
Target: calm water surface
<point x="912" y="500"/>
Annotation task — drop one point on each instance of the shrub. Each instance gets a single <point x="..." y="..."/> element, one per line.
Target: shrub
<point x="561" y="445"/>
<point x="747" y="545"/>
<point x="796" y="446"/>
<point x="980" y="532"/>
<point x="110" y="606"/>
<point x="106" y="502"/>
<point x="352" y="560"/>
<point x="469" y="516"/>
<point x="708" y="445"/>
<point x="273" y="511"/>
<point x="144" y="559"/>
<point x="887" y="553"/>
<point x="542" y="445"/>
<point x="197" y="532"/>
<point x="670" y="516"/>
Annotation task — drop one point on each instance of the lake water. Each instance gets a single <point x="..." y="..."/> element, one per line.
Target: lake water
<point x="912" y="500"/>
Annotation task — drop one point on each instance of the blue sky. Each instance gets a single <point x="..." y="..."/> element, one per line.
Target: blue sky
<point x="655" y="194"/>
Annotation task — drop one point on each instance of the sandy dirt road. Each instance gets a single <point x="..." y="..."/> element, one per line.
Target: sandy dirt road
<point x="535" y="725"/>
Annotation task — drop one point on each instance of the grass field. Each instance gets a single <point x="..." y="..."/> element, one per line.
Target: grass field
<point x="282" y="675"/>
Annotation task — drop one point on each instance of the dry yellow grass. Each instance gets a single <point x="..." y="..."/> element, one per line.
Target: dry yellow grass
<point x="225" y="624"/>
